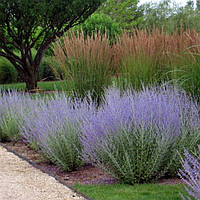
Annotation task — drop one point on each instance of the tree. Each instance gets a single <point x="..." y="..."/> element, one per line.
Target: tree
<point x="25" y="23"/>
<point x="100" y="23"/>
<point x="156" y="15"/>
<point x="125" y="12"/>
<point x="190" y="4"/>
<point x="170" y="17"/>
<point x="198" y="4"/>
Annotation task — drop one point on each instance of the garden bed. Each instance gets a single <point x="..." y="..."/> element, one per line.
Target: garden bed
<point x="87" y="174"/>
<point x="137" y="136"/>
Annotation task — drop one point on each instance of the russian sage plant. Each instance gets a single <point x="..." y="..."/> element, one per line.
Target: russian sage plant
<point x="12" y="106"/>
<point x="53" y="126"/>
<point x="190" y="174"/>
<point x="135" y="136"/>
<point x="63" y="147"/>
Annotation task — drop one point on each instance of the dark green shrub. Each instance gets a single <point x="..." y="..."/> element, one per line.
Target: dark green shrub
<point x="8" y="73"/>
<point x="45" y="70"/>
<point x="100" y="23"/>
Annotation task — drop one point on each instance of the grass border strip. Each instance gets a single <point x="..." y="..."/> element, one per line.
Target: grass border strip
<point x="44" y="171"/>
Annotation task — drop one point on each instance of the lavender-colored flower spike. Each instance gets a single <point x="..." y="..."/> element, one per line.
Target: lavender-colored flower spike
<point x="164" y="117"/>
<point x="12" y="107"/>
<point x="190" y="174"/>
<point x="149" y="126"/>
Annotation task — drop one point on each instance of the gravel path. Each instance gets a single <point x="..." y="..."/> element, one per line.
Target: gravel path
<point x="21" y="181"/>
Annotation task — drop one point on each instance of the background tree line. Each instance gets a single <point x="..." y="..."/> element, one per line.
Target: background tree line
<point x="27" y="29"/>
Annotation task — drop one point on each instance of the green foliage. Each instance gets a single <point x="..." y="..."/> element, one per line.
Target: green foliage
<point x="102" y="24"/>
<point x="25" y="25"/>
<point x="45" y="86"/>
<point x="144" y="71"/>
<point x="9" y="128"/>
<point x="141" y="156"/>
<point x="188" y="140"/>
<point x="127" y="192"/>
<point x="156" y="15"/>
<point x="32" y="18"/>
<point x="64" y="148"/>
<point x="125" y="12"/>
<point x="169" y="18"/>
<point x="186" y="18"/>
<point x="134" y="157"/>
<point x="85" y="64"/>
<point x="8" y="73"/>
<point x="139" y="71"/>
<point x="88" y="79"/>
<point x="34" y="146"/>
<point x="186" y="73"/>
<point x="45" y="70"/>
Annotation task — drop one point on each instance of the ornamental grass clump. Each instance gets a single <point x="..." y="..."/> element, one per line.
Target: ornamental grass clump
<point x="145" y="58"/>
<point x="52" y="125"/>
<point x="85" y="63"/>
<point x="136" y="136"/>
<point x="190" y="174"/>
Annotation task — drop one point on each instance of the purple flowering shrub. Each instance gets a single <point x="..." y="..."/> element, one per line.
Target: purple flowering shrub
<point x="190" y="174"/>
<point x="53" y="126"/>
<point x="136" y="136"/>
<point x="12" y="105"/>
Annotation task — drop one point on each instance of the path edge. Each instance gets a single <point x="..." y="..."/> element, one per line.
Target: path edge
<point x="44" y="171"/>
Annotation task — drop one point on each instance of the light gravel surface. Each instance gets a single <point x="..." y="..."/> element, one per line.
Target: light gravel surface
<point x="21" y="181"/>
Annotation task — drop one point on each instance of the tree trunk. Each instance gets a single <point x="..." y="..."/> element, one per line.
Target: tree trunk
<point x="31" y="84"/>
<point x="31" y="81"/>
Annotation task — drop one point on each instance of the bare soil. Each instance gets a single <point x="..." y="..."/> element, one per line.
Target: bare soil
<point x="87" y="174"/>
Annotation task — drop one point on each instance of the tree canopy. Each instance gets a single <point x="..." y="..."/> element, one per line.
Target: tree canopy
<point x="125" y="12"/>
<point x="170" y="17"/>
<point x="25" y="23"/>
<point x="101" y="24"/>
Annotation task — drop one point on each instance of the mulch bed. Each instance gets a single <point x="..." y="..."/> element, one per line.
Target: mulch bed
<point x="87" y="174"/>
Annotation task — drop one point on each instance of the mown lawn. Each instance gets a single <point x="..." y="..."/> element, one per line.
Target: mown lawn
<point x="46" y="86"/>
<point x="136" y="192"/>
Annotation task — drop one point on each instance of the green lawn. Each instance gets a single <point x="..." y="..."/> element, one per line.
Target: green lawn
<point x="47" y="86"/>
<point x="136" y="192"/>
